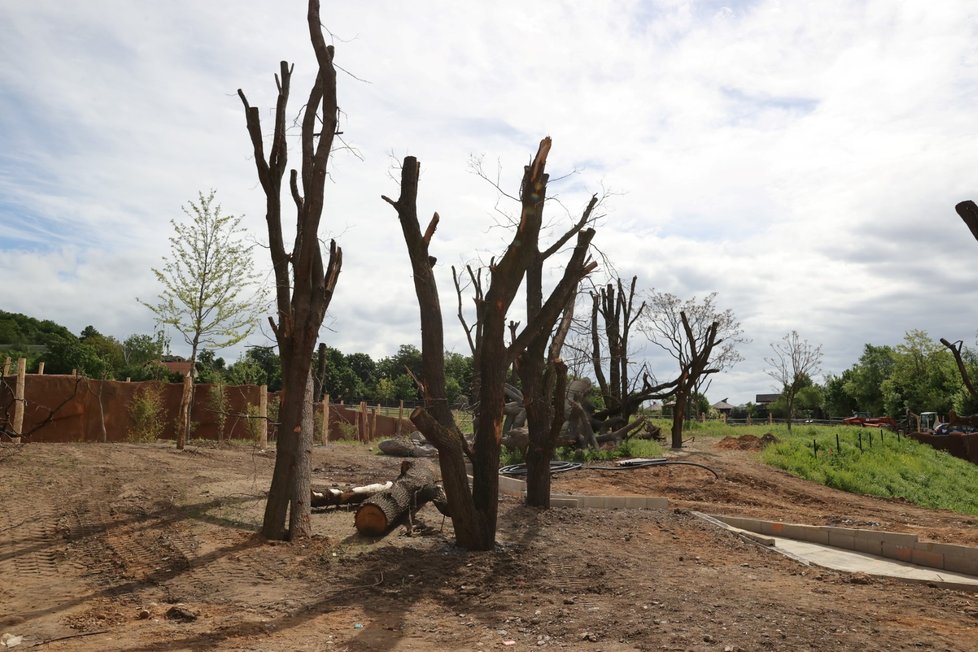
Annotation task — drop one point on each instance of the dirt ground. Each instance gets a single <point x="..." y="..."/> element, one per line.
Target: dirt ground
<point x="142" y="547"/>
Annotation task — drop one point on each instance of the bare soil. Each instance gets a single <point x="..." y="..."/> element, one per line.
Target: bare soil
<point x="143" y="547"/>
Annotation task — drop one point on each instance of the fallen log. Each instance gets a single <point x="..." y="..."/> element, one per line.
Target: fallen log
<point x="334" y="497"/>
<point x="414" y="487"/>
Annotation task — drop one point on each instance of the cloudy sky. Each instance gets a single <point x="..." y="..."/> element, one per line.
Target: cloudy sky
<point x="801" y="159"/>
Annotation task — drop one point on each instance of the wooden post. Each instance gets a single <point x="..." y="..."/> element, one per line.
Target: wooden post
<point x="363" y="421"/>
<point x="770" y="418"/>
<point x="184" y="421"/>
<point x="40" y="368"/>
<point x="19" y="398"/>
<point x="373" y="422"/>
<point x="325" y="419"/>
<point x="400" y="417"/>
<point x="749" y="420"/>
<point x="6" y="366"/>
<point x="263" y="417"/>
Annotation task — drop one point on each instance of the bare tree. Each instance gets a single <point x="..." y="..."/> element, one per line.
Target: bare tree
<point x="303" y="286"/>
<point x="613" y="315"/>
<point x="968" y="212"/>
<point x="701" y="337"/>
<point x="542" y="372"/>
<point x="794" y="362"/>
<point x="474" y="510"/>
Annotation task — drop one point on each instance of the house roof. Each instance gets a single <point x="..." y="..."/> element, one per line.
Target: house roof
<point x="722" y="405"/>
<point x="181" y="367"/>
<point x="767" y="398"/>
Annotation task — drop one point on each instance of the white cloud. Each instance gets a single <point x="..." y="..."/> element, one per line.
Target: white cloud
<point x="803" y="159"/>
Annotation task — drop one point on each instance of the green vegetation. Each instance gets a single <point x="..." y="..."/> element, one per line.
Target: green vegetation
<point x="146" y="414"/>
<point x="891" y="468"/>
<point x="628" y="448"/>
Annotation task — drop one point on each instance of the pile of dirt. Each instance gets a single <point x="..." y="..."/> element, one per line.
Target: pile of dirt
<point x="747" y="442"/>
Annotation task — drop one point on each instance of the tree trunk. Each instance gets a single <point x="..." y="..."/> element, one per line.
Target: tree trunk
<point x="413" y="488"/>
<point x="543" y="429"/>
<point x="435" y="419"/>
<point x="184" y="423"/>
<point x="678" y="417"/>
<point x="292" y="449"/>
<point x="302" y="296"/>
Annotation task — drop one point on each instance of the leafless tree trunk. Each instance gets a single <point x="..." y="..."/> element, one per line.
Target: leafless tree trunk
<point x="702" y="339"/>
<point x="968" y="212"/>
<point x="303" y="286"/>
<point x="794" y="362"/>
<point x="474" y="511"/>
<point x="542" y="373"/>
<point x="622" y="397"/>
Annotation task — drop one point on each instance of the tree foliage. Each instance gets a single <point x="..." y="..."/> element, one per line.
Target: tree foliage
<point x="211" y="295"/>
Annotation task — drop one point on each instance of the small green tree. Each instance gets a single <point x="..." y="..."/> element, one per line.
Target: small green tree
<point x="146" y="417"/>
<point x="211" y="294"/>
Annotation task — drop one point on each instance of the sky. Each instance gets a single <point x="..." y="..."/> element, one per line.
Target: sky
<point x="802" y="160"/>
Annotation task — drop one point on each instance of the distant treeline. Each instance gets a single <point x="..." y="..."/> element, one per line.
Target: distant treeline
<point x="346" y="377"/>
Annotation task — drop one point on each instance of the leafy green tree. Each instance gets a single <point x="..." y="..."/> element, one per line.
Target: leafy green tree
<point x="365" y="369"/>
<point x="865" y="382"/>
<point x="19" y="329"/>
<point x="142" y="355"/>
<point x="107" y="348"/>
<point x="210" y="368"/>
<point x="458" y="376"/>
<point x="836" y="400"/>
<point x="210" y="295"/>
<point x="259" y="365"/>
<point x="924" y="377"/>
<point x="385" y="390"/>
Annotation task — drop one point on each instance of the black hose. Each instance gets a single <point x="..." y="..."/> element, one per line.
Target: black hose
<point x="556" y="466"/>
<point x="658" y="462"/>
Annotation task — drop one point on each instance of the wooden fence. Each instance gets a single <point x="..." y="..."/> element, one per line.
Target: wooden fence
<point x="62" y="408"/>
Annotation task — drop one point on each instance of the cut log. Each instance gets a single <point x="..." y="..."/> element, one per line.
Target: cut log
<point x="414" y="487"/>
<point x="334" y="497"/>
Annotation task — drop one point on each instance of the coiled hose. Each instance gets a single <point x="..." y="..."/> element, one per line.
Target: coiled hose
<point x="556" y="466"/>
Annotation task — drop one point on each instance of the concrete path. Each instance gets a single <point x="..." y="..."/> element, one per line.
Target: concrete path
<point x="806" y="552"/>
<point x="854" y="562"/>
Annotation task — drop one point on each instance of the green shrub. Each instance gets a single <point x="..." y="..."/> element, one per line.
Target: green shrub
<point x="217" y="402"/>
<point x="348" y="430"/>
<point x="146" y="418"/>
<point x="253" y="424"/>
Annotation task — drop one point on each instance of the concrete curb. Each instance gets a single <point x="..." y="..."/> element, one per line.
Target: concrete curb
<point x="889" y="545"/>
<point x="514" y="487"/>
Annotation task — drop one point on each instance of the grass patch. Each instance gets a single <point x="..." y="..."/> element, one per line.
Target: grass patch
<point x="891" y="468"/>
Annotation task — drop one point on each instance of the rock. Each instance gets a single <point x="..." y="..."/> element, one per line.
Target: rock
<point x="10" y="640"/>
<point x="180" y="614"/>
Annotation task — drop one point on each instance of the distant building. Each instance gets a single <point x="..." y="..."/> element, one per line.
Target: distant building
<point x="766" y="399"/>
<point x="723" y="407"/>
<point x="176" y="364"/>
